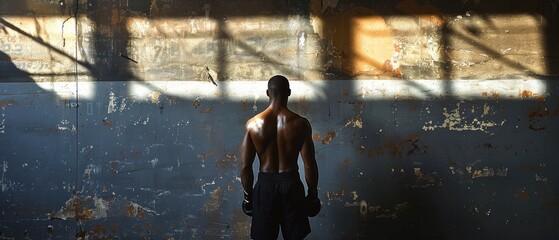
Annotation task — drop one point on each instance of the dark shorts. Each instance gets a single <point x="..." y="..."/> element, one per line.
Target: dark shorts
<point x="279" y="200"/>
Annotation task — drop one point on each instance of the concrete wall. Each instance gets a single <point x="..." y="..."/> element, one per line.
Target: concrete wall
<point x="431" y="119"/>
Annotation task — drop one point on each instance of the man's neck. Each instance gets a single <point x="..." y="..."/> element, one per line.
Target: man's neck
<point x="278" y="104"/>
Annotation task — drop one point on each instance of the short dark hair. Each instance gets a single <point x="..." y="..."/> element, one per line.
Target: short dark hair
<point x="278" y="82"/>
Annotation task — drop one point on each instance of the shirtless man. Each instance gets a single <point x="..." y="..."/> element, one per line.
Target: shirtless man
<point x="278" y="135"/>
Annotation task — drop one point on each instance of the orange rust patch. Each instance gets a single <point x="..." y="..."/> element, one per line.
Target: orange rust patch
<point x="134" y="211"/>
<point x="329" y="137"/>
<point x="196" y="104"/>
<point x="494" y="95"/>
<point x="107" y="123"/>
<point x="207" y="110"/>
<point x="316" y="137"/>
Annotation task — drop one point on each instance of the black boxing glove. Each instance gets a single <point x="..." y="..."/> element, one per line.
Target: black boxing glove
<point x="312" y="204"/>
<point x="247" y="205"/>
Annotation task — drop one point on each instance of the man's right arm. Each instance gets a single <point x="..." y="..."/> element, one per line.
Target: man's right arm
<point x="248" y="153"/>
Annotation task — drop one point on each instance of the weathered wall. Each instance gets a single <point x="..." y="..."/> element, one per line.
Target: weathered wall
<point x="432" y="119"/>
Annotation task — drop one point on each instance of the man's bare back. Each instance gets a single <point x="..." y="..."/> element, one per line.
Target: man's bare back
<point x="278" y="135"/>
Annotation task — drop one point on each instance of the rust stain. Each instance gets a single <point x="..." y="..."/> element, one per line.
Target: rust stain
<point x="345" y="165"/>
<point x="241" y="225"/>
<point x="115" y="228"/>
<point x="5" y="103"/>
<point x="337" y="196"/>
<point x="107" y="123"/>
<point x="533" y="168"/>
<point x="135" y="210"/>
<point x="396" y="148"/>
<point x="232" y="187"/>
<point x="196" y="103"/>
<point x="361" y="149"/>
<point x="206" y="110"/>
<point x="530" y="94"/>
<point x="410" y="145"/>
<point x="329" y="137"/>
<point x="316" y="137"/>
<point x="114" y="166"/>
<point x="245" y="105"/>
<point x="226" y="162"/>
<point x="98" y="229"/>
<point x="534" y="118"/>
<point x="522" y="195"/>
<point x="214" y="204"/>
<point x="73" y="209"/>
<point x="494" y="95"/>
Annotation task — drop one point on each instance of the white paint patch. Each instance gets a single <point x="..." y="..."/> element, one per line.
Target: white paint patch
<point x="92" y="169"/>
<point x="154" y="162"/>
<point x="64" y="126"/>
<point x="111" y="108"/>
<point x="101" y="207"/>
<point x="4" y="170"/>
<point x="2" y="124"/>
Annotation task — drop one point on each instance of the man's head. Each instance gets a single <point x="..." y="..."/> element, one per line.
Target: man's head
<point x="278" y="86"/>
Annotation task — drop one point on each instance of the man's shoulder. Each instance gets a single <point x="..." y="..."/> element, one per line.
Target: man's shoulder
<point x="300" y="120"/>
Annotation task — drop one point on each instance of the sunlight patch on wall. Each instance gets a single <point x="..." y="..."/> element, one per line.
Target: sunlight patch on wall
<point x="510" y="89"/>
<point x="70" y="90"/>
<point x="230" y="90"/>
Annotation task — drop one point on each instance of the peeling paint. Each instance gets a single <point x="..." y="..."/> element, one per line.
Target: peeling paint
<point x="214" y="204"/>
<point x="487" y="172"/>
<point x="454" y="121"/>
<point x="86" y="209"/>
<point x="378" y="211"/>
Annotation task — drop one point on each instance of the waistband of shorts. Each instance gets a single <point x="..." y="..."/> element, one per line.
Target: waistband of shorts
<point x="273" y="177"/>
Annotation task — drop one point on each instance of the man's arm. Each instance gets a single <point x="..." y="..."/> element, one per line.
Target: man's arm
<point x="309" y="160"/>
<point x="248" y="153"/>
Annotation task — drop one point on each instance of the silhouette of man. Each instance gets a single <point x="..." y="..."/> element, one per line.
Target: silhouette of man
<point x="278" y="135"/>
